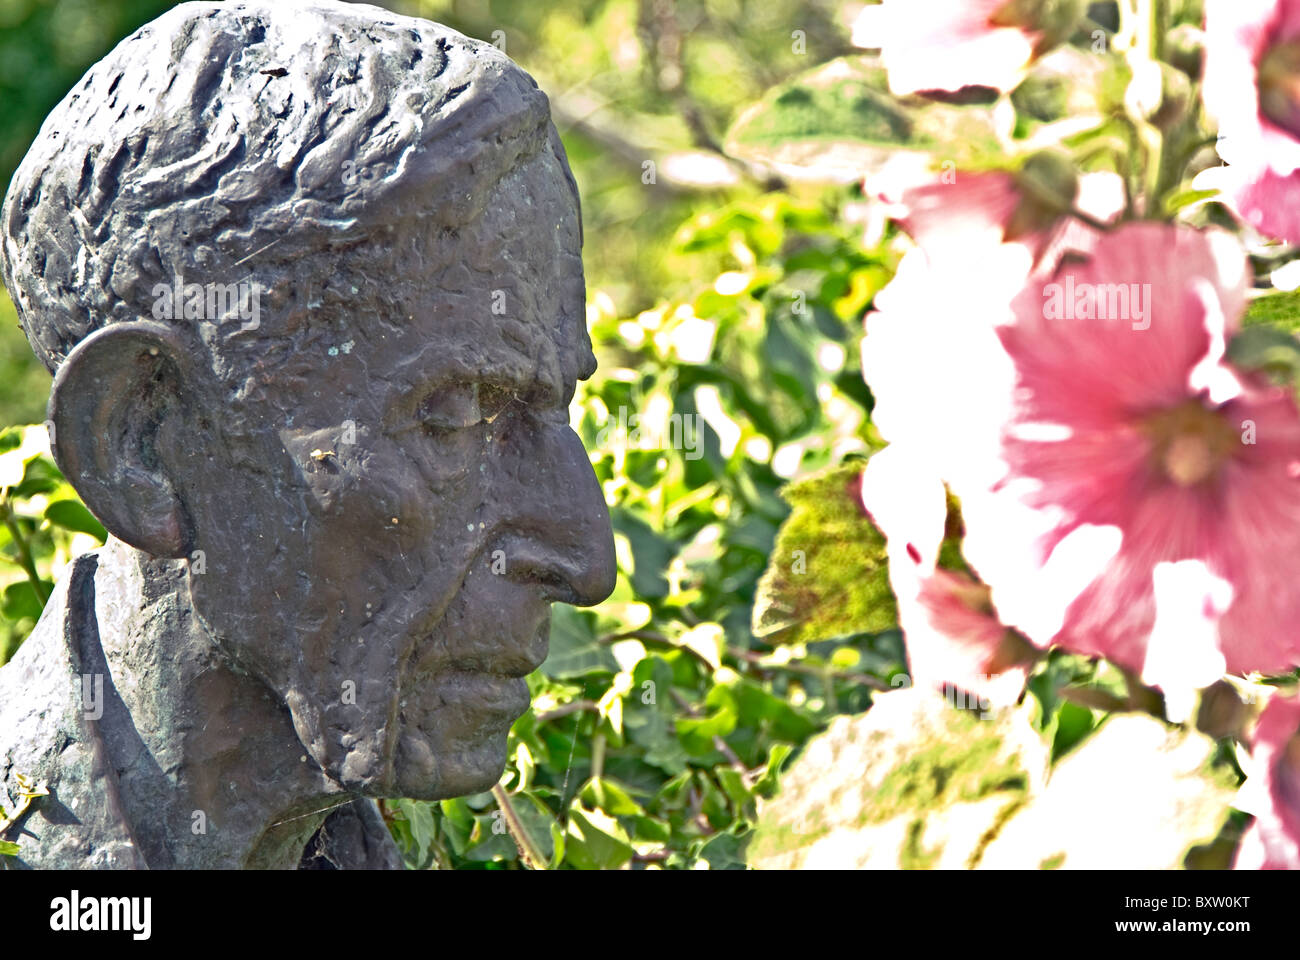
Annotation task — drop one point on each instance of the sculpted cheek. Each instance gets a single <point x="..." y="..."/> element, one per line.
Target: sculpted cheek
<point x="357" y="479"/>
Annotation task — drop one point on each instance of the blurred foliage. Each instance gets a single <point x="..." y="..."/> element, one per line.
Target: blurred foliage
<point x="840" y="118"/>
<point x="43" y="525"/>
<point x="24" y="383"/>
<point x="634" y="82"/>
<point x="45" y="47"/>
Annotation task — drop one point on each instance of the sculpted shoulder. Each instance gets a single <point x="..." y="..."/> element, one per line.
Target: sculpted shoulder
<point x="46" y="734"/>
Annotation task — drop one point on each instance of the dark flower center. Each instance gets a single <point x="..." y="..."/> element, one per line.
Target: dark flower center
<point x="1190" y="442"/>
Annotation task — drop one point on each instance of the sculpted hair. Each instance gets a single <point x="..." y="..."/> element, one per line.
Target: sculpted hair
<point x="310" y="149"/>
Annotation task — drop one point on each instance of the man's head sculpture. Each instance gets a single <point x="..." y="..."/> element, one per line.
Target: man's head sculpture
<point x="367" y="481"/>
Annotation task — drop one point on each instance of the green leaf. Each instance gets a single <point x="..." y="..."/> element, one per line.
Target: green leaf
<point x="839" y="121"/>
<point x="420" y="816"/>
<point x="725" y="851"/>
<point x="1059" y="669"/>
<point x="21" y="446"/>
<point x="651" y="554"/>
<point x="828" y="576"/>
<point x="73" y="515"/>
<point x="40" y="476"/>
<point x="457" y="823"/>
<point x="596" y="841"/>
<point x="557" y="845"/>
<point x="422" y="828"/>
<point x="696" y="733"/>
<point x="1185" y="198"/>
<point x="650" y="830"/>
<point x="574" y="650"/>
<point x="713" y="802"/>
<point x="526" y="765"/>
<point x="770" y="781"/>
<point x="1073" y="724"/>
<point x="668" y="755"/>
<point x="8" y="849"/>
<point x="540" y="824"/>
<point x="1269" y="350"/>
<point x="706" y="640"/>
<point x="758" y="709"/>
<point x="1279" y="309"/>
<point x="457" y="812"/>
<point x="648" y="716"/>
<point x="605" y="794"/>
<point x="21" y="601"/>
<point x="734" y="787"/>
<point x="490" y="840"/>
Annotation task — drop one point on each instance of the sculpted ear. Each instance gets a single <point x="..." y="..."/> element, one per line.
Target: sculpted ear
<point x="117" y="415"/>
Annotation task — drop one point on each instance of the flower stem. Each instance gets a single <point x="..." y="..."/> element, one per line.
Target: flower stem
<point x="24" y="551"/>
<point x="527" y="846"/>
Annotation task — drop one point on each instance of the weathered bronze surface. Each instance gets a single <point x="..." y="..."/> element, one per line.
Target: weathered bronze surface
<point x="309" y="281"/>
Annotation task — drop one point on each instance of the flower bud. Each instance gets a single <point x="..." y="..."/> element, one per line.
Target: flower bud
<point x="1185" y="49"/>
<point x="1176" y="97"/>
<point x="1048" y="185"/>
<point x="1052" y="21"/>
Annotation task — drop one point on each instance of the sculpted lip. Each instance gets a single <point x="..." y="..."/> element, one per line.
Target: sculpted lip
<point x="465" y="698"/>
<point x="508" y="659"/>
<point x="485" y="698"/>
<point x="510" y="668"/>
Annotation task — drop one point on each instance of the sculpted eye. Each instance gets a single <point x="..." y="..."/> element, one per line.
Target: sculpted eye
<point x="453" y="407"/>
<point x="463" y="405"/>
<point x="493" y="400"/>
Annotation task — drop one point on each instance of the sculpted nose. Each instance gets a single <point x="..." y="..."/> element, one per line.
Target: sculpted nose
<point x="565" y="541"/>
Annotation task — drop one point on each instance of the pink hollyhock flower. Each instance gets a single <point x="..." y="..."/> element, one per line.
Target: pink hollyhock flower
<point x="1252" y="84"/>
<point x="1268" y="202"/>
<point x="1148" y="509"/>
<point x="931" y="345"/>
<point x="974" y="210"/>
<point x="1273" y="841"/>
<point x="953" y="634"/>
<point x="943" y="386"/>
<point x="950" y="44"/>
<point x="931" y="357"/>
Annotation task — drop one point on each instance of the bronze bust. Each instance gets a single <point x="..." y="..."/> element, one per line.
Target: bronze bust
<point x="308" y="278"/>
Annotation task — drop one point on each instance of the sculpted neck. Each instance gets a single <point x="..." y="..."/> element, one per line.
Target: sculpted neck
<point x="209" y="771"/>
